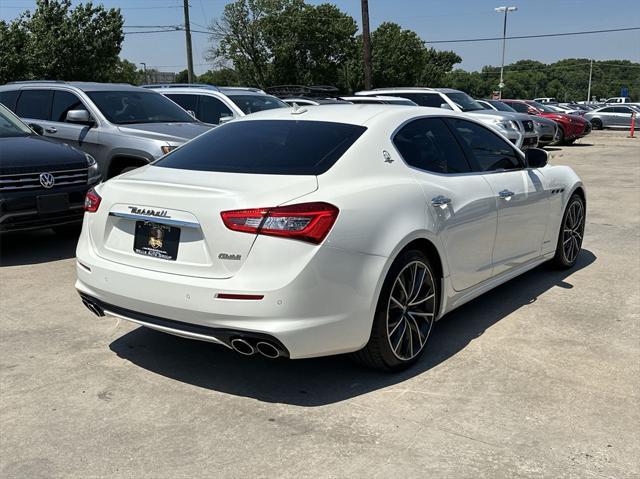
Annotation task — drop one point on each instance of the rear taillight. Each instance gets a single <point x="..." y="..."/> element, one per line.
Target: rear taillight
<point x="309" y="222"/>
<point x="92" y="201"/>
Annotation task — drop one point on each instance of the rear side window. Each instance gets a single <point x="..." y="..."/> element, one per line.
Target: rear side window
<point x="429" y="145"/>
<point x="622" y="109"/>
<point x="35" y="104"/>
<point x="63" y="103"/>
<point x="273" y="147"/>
<point x="490" y="152"/>
<point x="8" y="98"/>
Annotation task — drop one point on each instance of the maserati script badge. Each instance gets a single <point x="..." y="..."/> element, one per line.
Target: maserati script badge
<point x="149" y="212"/>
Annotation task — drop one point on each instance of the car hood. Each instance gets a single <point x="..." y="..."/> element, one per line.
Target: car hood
<point x="496" y="115"/>
<point x="26" y="154"/>
<point x="563" y="118"/>
<point x="175" y="132"/>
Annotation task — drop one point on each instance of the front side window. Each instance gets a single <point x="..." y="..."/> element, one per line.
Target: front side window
<point x="35" y="104"/>
<point x="503" y="106"/>
<point x="187" y="102"/>
<point x="609" y="109"/>
<point x="212" y="110"/>
<point x="519" y="107"/>
<point x="11" y="126"/>
<point x="489" y="151"/>
<point x="63" y="103"/>
<point x="131" y="106"/>
<point x="429" y="145"/>
<point x="269" y="147"/>
<point x="8" y="98"/>
<point x="464" y="101"/>
<point x="253" y="103"/>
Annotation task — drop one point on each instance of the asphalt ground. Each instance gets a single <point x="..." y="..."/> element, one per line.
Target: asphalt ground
<point x="538" y="378"/>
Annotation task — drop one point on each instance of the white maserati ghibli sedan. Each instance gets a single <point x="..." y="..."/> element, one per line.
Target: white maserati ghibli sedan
<point x="323" y="230"/>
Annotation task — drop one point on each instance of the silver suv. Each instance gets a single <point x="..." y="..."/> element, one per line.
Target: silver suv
<point x="216" y="105"/>
<point x="517" y="127"/>
<point x="121" y="126"/>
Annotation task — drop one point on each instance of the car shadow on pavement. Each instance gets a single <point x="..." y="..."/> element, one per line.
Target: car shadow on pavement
<point x="322" y="381"/>
<point x="34" y="247"/>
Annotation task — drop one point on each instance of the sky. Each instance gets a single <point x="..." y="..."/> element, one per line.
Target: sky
<point x="431" y="19"/>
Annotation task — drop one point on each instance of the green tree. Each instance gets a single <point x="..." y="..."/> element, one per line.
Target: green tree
<point x="398" y="56"/>
<point x="220" y="77"/>
<point x="57" y="41"/>
<point x="125" y="71"/>
<point x="272" y="42"/>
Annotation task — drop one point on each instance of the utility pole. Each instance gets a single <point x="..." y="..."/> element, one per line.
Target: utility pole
<point x="366" y="45"/>
<point x="187" y="34"/>
<point x="590" y="75"/>
<point x="144" y="66"/>
<point x="506" y="11"/>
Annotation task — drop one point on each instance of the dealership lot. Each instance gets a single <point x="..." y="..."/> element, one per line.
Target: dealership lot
<point x="540" y="377"/>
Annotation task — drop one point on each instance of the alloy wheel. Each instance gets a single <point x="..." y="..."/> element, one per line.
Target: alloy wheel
<point x="573" y="231"/>
<point x="411" y="310"/>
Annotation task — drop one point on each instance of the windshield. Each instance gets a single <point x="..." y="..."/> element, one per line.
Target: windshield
<point x="502" y="106"/>
<point x="129" y="106"/>
<point x="541" y="107"/>
<point x="253" y="103"/>
<point x="464" y="101"/>
<point x="269" y="147"/>
<point x="11" y="126"/>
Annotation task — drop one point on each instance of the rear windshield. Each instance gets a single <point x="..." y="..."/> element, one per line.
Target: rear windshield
<point x="254" y="103"/>
<point x="272" y="147"/>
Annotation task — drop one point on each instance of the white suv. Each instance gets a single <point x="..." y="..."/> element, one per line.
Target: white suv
<point x="216" y="105"/>
<point x="517" y="127"/>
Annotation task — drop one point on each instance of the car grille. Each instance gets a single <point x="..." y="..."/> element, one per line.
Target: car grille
<point x="528" y="126"/>
<point x="24" y="181"/>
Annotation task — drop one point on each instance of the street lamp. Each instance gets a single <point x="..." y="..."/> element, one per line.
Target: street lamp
<point x="506" y="11"/>
<point x="144" y="65"/>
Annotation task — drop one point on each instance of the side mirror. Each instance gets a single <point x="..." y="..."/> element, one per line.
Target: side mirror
<point x="536" y="157"/>
<point x="79" y="116"/>
<point x="192" y="113"/>
<point x="224" y="119"/>
<point x="446" y="106"/>
<point x="36" y="128"/>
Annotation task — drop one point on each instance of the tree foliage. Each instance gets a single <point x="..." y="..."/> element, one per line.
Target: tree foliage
<point x="566" y="79"/>
<point x="59" y="42"/>
<point x="271" y="42"/>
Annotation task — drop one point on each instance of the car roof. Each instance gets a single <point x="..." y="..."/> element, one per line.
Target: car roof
<point x="84" y="86"/>
<point x="354" y="114"/>
<point x="409" y="89"/>
<point x="205" y="89"/>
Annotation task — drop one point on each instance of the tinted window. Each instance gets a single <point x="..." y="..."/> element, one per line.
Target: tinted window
<point x="428" y="144"/>
<point x="63" y="102"/>
<point x="464" y="101"/>
<point x="131" y="106"/>
<point x="502" y="106"/>
<point x="521" y="107"/>
<point x="622" y="109"/>
<point x="34" y="104"/>
<point x="253" y="103"/>
<point x="188" y="102"/>
<point x="423" y="99"/>
<point x="489" y="150"/>
<point x="277" y="147"/>
<point x="8" y="99"/>
<point x="211" y="110"/>
<point x="11" y="126"/>
<point x="609" y="109"/>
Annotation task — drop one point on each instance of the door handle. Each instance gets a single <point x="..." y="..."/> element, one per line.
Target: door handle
<point x="440" y="200"/>
<point x="51" y="129"/>
<point x="506" y="194"/>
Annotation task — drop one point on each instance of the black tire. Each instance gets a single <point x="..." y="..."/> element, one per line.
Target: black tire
<point x="571" y="233"/>
<point x="570" y="142"/>
<point x="408" y="324"/>
<point x="560" y="140"/>
<point x="596" y="124"/>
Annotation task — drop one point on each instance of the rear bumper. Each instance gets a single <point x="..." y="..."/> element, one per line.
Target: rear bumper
<point x="327" y="308"/>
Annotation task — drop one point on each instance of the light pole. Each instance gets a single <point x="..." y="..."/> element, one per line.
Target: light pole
<point x="506" y="11"/>
<point x="144" y="65"/>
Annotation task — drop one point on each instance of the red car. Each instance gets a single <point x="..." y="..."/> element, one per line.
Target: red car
<point x="571" y="127"/>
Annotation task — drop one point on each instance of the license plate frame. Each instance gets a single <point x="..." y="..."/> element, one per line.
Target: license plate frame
<point x="156" y="240"/>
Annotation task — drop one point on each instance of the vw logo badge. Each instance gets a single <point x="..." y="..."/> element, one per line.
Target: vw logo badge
<point x="47" y="180"/>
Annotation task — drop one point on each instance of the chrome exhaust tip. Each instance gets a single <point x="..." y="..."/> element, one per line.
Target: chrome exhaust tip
<point x="242" y="347"/>
<point x="95" y="309"/>
<point x="268" y="350"/>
